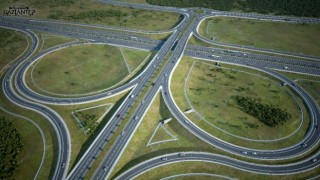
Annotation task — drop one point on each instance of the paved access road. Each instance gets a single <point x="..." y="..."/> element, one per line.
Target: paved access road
<point x="215" y="158"/>
<point x="63" y="137"/>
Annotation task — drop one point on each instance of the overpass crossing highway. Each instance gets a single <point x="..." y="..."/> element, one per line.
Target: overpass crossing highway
<point x="177" y="43"/>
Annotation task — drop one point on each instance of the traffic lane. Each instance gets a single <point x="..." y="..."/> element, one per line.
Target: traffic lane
<point x="219" y="159"/>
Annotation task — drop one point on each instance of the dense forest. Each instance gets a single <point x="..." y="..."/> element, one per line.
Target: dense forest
<point x="308" y="8"/>
<point x="270" y="115"/>
<point x="10" y="147"/>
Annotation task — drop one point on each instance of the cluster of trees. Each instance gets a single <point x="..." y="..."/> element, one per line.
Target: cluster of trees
<point x="88" y="121"/>
<point x="98" y="14"/>
<point x="213" y="4"/>
<point x="309" y="8"/>
<point x="10" y="147"/>
<point x="270" y="115"/>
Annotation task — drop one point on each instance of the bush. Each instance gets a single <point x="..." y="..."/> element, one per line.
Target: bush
<point x="10" y="147"/>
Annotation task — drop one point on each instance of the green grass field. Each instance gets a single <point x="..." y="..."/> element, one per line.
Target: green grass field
<point x="299" y="38"/>
<point x="31" y="155"/>
<point x="63" y="10"/>
<point x="134" y="57"/>
<point x="310" y="83"/>
<point x="12" y="45"/>
<point x="215" y="104"/>
<point x="30" y="160"/>
<point x="90" y="117"/>
<point x="161" y="135"/>
<point x="210" y="90"/>
<point x="136" y="1"/>
<point x="52" y="40"/>
<point x="80" y="69"/>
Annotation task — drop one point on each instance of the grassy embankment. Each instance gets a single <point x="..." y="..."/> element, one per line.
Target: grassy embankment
<point x="98" y="13"/>
<point x="294" y="37"/>
<point x="215" y="96"/>
<point x="13" y="44"/>
<point x="95" y="68"/>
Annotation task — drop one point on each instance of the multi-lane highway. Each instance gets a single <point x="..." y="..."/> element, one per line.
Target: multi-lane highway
<point x="177" y="43"/>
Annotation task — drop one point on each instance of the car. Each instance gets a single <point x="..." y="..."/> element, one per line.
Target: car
<point x="314" y="160"/>
<point x="164" y="159"/>
<point x="118" y="115"/>
<point x="254" y="153"/>
<point x="63" y="165"/>
<point x="123" y="132"/>
<point x="105" y="168"/>
<point x="182" y="154"/>
<point x="304" y="145"/>
<point x="286" y="67"/>
<point x="135" y="118"/>
<point x="165" y="93"/>
<point x="244" y="152"/>
<point x="108" y="93"/>
<point x="132" y="96"/>
<point x="166" y="75"/>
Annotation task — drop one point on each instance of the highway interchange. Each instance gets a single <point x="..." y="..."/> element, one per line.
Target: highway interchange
<point x="177" y="42"/>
